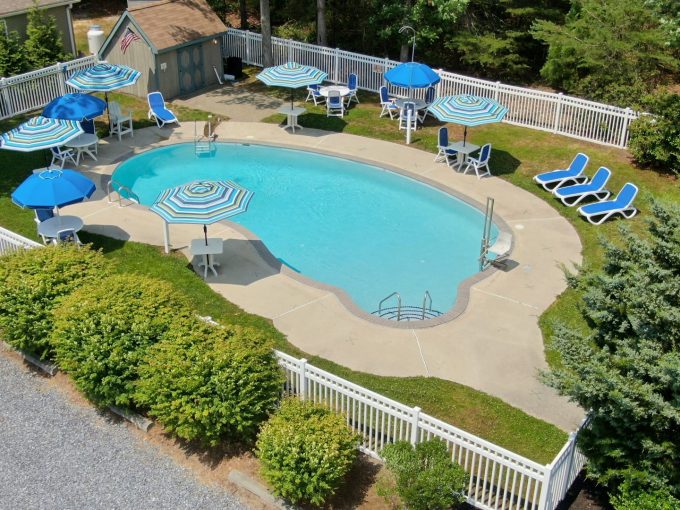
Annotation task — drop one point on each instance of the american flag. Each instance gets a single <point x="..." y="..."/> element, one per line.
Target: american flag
<point x="127" y="40"/>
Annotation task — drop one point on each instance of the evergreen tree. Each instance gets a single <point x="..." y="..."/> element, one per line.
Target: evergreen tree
<point x="43" y="40"/>
<point x="627" y="370"/>
<point x="12" y="55"/>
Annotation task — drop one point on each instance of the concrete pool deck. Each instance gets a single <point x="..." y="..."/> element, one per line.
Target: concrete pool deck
<point x="495" y="346"/>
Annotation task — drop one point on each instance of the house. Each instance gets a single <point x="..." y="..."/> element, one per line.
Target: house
<point x="13" y="16"/>
<point x="176" y="44"/>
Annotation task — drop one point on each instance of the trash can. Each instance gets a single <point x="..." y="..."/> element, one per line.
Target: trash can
<point x="234" y="66"/>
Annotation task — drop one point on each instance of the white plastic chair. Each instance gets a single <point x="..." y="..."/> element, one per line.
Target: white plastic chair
<point x="404" y="114"/>
<point x="120" y="124"/>
<point x="60" y="156"/>
<point x="480" y="163"/>
<point x="387" y="103"/>
<point x="334" y="105"/>
<point x="353" y="86"/>
<point x="67" y="235"/>
<point x="314" y="94"/>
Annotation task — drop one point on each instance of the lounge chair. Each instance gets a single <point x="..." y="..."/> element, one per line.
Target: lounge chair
<point x="387" y="103"/>
<point x="500" y="250"/>
<point x="558" y="178"/>
<point x="352" y="85"/>
<point x="443" y="143"/>
<point x="334" y="105"/>
<point x="120" y="124"/>
<point x="480" y="163"/>
<point x="59" y="157"/>
<point x="404" y="115"/>
<point x="572" y="195"/>
<point x="314" y="94"/>
<point x="158" y="111"/>
<point x="599" y="212"/>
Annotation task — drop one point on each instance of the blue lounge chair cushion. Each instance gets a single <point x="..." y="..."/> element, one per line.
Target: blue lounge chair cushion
<point x="622" y="201"/>
<point x="559" y="177"/>
<point x="598" y="182"/>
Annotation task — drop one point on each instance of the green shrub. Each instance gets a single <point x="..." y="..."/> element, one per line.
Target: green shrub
<point x="424" y="477"/>
<point x="655" y="139"/>
<point x="207" y="383"/>
<point x="102" y="332"/>
<point x="32" y="282"/>
<point x="629" y="497"/>
<point x="306" y="451"/>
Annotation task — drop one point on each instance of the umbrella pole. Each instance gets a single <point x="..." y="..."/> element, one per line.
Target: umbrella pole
<point x="464" y="135"/>
<point x="292" y="91"/>
<point x="166" y="236"/>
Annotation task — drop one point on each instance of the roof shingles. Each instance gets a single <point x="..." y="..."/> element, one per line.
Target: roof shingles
<point x="10" y="7"/>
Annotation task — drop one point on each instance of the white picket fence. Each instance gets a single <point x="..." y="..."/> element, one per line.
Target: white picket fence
<point x="10" y="241"/>
<point x="547" y="111"/>
<point x="499" y="478"/>
<point x="30" y="91"/>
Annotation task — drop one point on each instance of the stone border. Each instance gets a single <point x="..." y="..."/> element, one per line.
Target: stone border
<point x="463" y="290"/>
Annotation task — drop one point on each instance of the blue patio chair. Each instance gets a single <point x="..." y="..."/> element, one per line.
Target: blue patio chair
<point x="314" y="94"/>
<point x="158" y="111"/>
<point x="42" y="215"/>
<point x="558" y="178"/>
<point x="572" y="195"/>
<point x="480" y="163"/>
<point x="387" y="103"/>
<point x="599" y="212"/>
<point x="334" y="105"/>
<point x="443" y="143"/>
<point x="352" y="85"/>
<point x="404" y="115"/>
<point x="430" y="95"/>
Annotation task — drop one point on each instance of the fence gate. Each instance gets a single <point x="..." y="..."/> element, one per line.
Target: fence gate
<point x="190" y="67"/>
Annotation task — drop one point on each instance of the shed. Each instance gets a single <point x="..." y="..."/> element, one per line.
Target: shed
<point x="176" y="44"/>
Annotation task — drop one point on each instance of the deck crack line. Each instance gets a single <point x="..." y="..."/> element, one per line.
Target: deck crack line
<point x="302" y="305"/>
<point x="506" y="298"/>
<point x="420" y="350"/>
<point x="508" y="220"/>
<point x="108" y="206"/>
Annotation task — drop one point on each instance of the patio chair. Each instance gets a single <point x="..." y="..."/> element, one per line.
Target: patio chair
<point x="443" y="143"/>
<point x="480" y="163"/>
<point x="120" y="124"/>
<point x="67" y="235"/>
<point x="334" y="105"/>
<point x="500" y="250"/>
<point x="158" y="111"/>
<point x="599" y="212"/>
<point x="572" y="195"/>
<point x="60" y="156"/>
<point x="558" y="178"/>
<point x="404" y="116"/>
<point x="314" y="94"/>
<point x="352" y="85"/>
<point x="40" y="216"/>
<point x="387" y="103"/>
<point x="430" y="95"/>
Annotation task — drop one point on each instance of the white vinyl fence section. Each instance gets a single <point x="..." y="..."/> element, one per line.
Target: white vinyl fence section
<point x="9" y="242"/>
<point x="30" y="91"/>
<point x="547" y="111"/>
<point x="499" y="478"/>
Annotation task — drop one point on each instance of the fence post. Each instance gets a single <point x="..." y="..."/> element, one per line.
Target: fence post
<point x="496" y="91"/>
<point x="302" y="363"/>
<point x="545" y="489"/>
<point x="290" y="51"/>
<point x="8" y="109"/>
<point x="439" y="83"/>
<point x="415" y="420"/>
<point x="61" y="74"/>
<point x="248" y="47"/>
<point x="558" y="113"/>
<point x="385" y="64"/>
<point x="624" y="128"/>
<point x="336" y="65"/>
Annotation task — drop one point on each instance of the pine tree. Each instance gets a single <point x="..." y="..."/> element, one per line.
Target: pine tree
<point x="43" y="40"/>
<point x="627" y="370"/>
<point x="12" y="55"/>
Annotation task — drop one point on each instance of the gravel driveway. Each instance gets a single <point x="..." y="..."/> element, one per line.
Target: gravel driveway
<point x="56" y="454"/>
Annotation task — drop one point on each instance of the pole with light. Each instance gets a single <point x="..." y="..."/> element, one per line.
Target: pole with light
<point x="413" y="55"/>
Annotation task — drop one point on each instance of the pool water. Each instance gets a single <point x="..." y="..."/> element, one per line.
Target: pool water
<point x="355" y="226"/>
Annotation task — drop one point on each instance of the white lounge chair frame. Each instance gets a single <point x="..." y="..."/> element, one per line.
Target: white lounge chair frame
<point x="558" y="182"/>
<point x="160" y="122"/>
<point x="627" y="212"/>
<point x="571" y="200"/>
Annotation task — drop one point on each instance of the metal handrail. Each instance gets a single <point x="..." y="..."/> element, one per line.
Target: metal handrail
<point x="426" y="298"/>
<point x="132" y="196"/>
<point x="398" y="304"/>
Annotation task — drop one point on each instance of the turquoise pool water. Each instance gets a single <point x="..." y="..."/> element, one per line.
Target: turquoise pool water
<point x="358" y="227"/>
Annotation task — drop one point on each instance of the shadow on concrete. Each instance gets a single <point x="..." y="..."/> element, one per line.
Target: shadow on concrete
<point x="242" y="262"/>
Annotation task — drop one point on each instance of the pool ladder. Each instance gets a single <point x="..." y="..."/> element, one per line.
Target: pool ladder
<point x="402" y="312"/>
<point x="204" y="144"/>
<point x="122" y="191"/>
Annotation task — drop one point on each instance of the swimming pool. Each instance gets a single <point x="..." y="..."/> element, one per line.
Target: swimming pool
<point x="351" y="225"/>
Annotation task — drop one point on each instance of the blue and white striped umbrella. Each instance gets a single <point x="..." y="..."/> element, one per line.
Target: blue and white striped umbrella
<point x="40" y="133"/>
<point x="104" y="78"/>
<point x="292" y="75"/>
<point x="203" y="202"/>
<point x="467" y="110"/>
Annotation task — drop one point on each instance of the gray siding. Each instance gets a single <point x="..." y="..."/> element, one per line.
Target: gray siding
<point x="168" y="79"/>
<point x="212" y="56"/>
<point x="20" y="22"/>
<point x="138" y="56"/>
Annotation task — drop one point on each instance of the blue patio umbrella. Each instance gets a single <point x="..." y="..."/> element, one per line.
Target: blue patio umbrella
<point x="467" y="110"/>
<point x="412" y="75"/>
<point x="293" y="76"/>
<point x="201" y="202"/>
<point x="40" y="133"/>
<point x="75" y="107"/>
<point x="53" y="188"/>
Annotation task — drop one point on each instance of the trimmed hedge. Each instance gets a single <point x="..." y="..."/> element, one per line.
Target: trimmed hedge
<point x="209" y="383"/>
<point x="424" y="477"/>
<point x="306" y="451"/>
<point x="32" y="283"/>
<point x="102" y="331"/>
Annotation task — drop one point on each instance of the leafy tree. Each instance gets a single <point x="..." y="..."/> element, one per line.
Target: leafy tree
<point x="655" y="139"/>
<point x="630" y="497"/>
<point x="43" y="40"/>
<point x="611" y="51"/>
<point x="321" y="38"/>
<point x="12" y="55"/>
<point x="668" y="12"/>
<point x="626" y="371"/>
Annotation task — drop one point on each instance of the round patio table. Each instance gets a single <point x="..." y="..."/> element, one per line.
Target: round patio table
<point x="50" y="228"/>
<point x="344" y="91"/>
<point x="420" y="104"/>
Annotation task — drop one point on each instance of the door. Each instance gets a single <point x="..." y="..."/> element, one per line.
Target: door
<point x="190" y="67"/>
